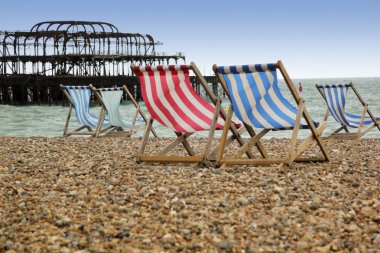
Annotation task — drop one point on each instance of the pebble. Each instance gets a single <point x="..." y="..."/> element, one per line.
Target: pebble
<point x="146" y="240"/>
<point x="123" y="234"/>
<point x="185" y="231"/>
<point x="368" y="212"/>
<point x="376" y="241"/>
<point x="225" y="245"/>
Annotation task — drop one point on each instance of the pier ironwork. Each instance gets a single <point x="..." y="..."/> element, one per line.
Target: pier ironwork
<point x="33" y="63"/>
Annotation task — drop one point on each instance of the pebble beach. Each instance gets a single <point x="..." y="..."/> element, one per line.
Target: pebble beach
<point x="89" y="195"/>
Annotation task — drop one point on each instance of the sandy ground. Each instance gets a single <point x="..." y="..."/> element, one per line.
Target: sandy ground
<point x="88" y="195"/>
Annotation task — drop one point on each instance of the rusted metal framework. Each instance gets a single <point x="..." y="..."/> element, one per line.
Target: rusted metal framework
<point x="33" y="63"/>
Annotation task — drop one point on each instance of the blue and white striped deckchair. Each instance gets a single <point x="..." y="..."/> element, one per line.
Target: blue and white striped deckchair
<point x="79" y="98"/>
<point x="335" y="97"/>
<point x="110" y="99"/>
<point x="256" y="99"/>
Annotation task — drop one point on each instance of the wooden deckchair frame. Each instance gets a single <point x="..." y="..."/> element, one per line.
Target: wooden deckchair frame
<point x="182" y="138"/>
<point x="111" y="129"/>
<point x="361" y="130"/>
<point x="294" y="151"/>
<point x="78" y="131"/>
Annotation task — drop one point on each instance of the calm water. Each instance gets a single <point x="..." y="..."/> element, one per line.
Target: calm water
<point x="50" y="120"/>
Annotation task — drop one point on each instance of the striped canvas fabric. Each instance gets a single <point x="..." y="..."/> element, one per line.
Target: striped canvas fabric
<point x="111" y="98"/>
<point x="335" y="96"/>
<point x="80" y="96"/>
<point x="110" y="89"/>
<point x="256" y="97"/>
<point x="172" y="101"/>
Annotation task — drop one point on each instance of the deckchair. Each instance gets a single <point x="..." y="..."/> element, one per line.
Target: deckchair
<point x="109" y="99"/>
<point x="173" y="103"/>
<point x="79" y="98"/>
<point x="258" y="102"/>
<point x="335" y="98"/>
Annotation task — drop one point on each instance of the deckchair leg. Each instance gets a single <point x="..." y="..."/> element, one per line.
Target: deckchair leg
<point x="186" y="144"/>
<point x="67" y="121"/>
<point x="212" y="130"/>
<point x="377" y="124"/>
<point x="144" y="117"/>
<point x="364" y="103"/>
<point x="307" y="141"/>
<point x="368" y="129"/>
<point x="129" y="94"/>
<point x="109" y="130"/>
<point x="236" y="136"/>
<point x="78" y="131"/>
<point x="134" y="120"/>
<point x="253" y="141"/>
<point x="223" y="139"/>
<point x="358" y="132"/>
<point x="316" y="135"/>
<point x="180" y="139"/>
<point x="326" y="114"/>
<point x="258" y="144"/>
<point x="160" y="157"/>
<point x="100" y="121"/>
<point x="340" y="129"/>
<point x="240" y="140"/>
<point x="229" y="140"/>
<point x="252" y="133"/>
<point x="144" y="140"/>
<point x="293" y="140"/>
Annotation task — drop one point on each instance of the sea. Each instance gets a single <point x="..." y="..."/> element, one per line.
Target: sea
<point x="49" y="121"/>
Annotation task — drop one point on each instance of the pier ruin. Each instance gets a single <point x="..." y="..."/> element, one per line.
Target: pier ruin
<point x="33" y="63"/>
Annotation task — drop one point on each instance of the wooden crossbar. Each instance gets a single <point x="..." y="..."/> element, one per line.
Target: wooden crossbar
<point x="171" y="159"/>
<point x="252" y="161"/>
<point x="346" y="136"/>
<point x="310" y="159"/>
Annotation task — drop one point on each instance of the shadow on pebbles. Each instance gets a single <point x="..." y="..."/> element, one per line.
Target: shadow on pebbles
<point x="88" y="195"/>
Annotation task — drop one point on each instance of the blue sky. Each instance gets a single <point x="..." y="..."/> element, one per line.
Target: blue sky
<point x="314" y="39"/>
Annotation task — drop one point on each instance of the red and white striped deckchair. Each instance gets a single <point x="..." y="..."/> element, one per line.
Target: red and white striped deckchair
<point x="172" y="101"/>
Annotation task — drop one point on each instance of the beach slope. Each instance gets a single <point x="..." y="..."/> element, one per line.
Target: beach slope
<point x="88" y="195"/>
